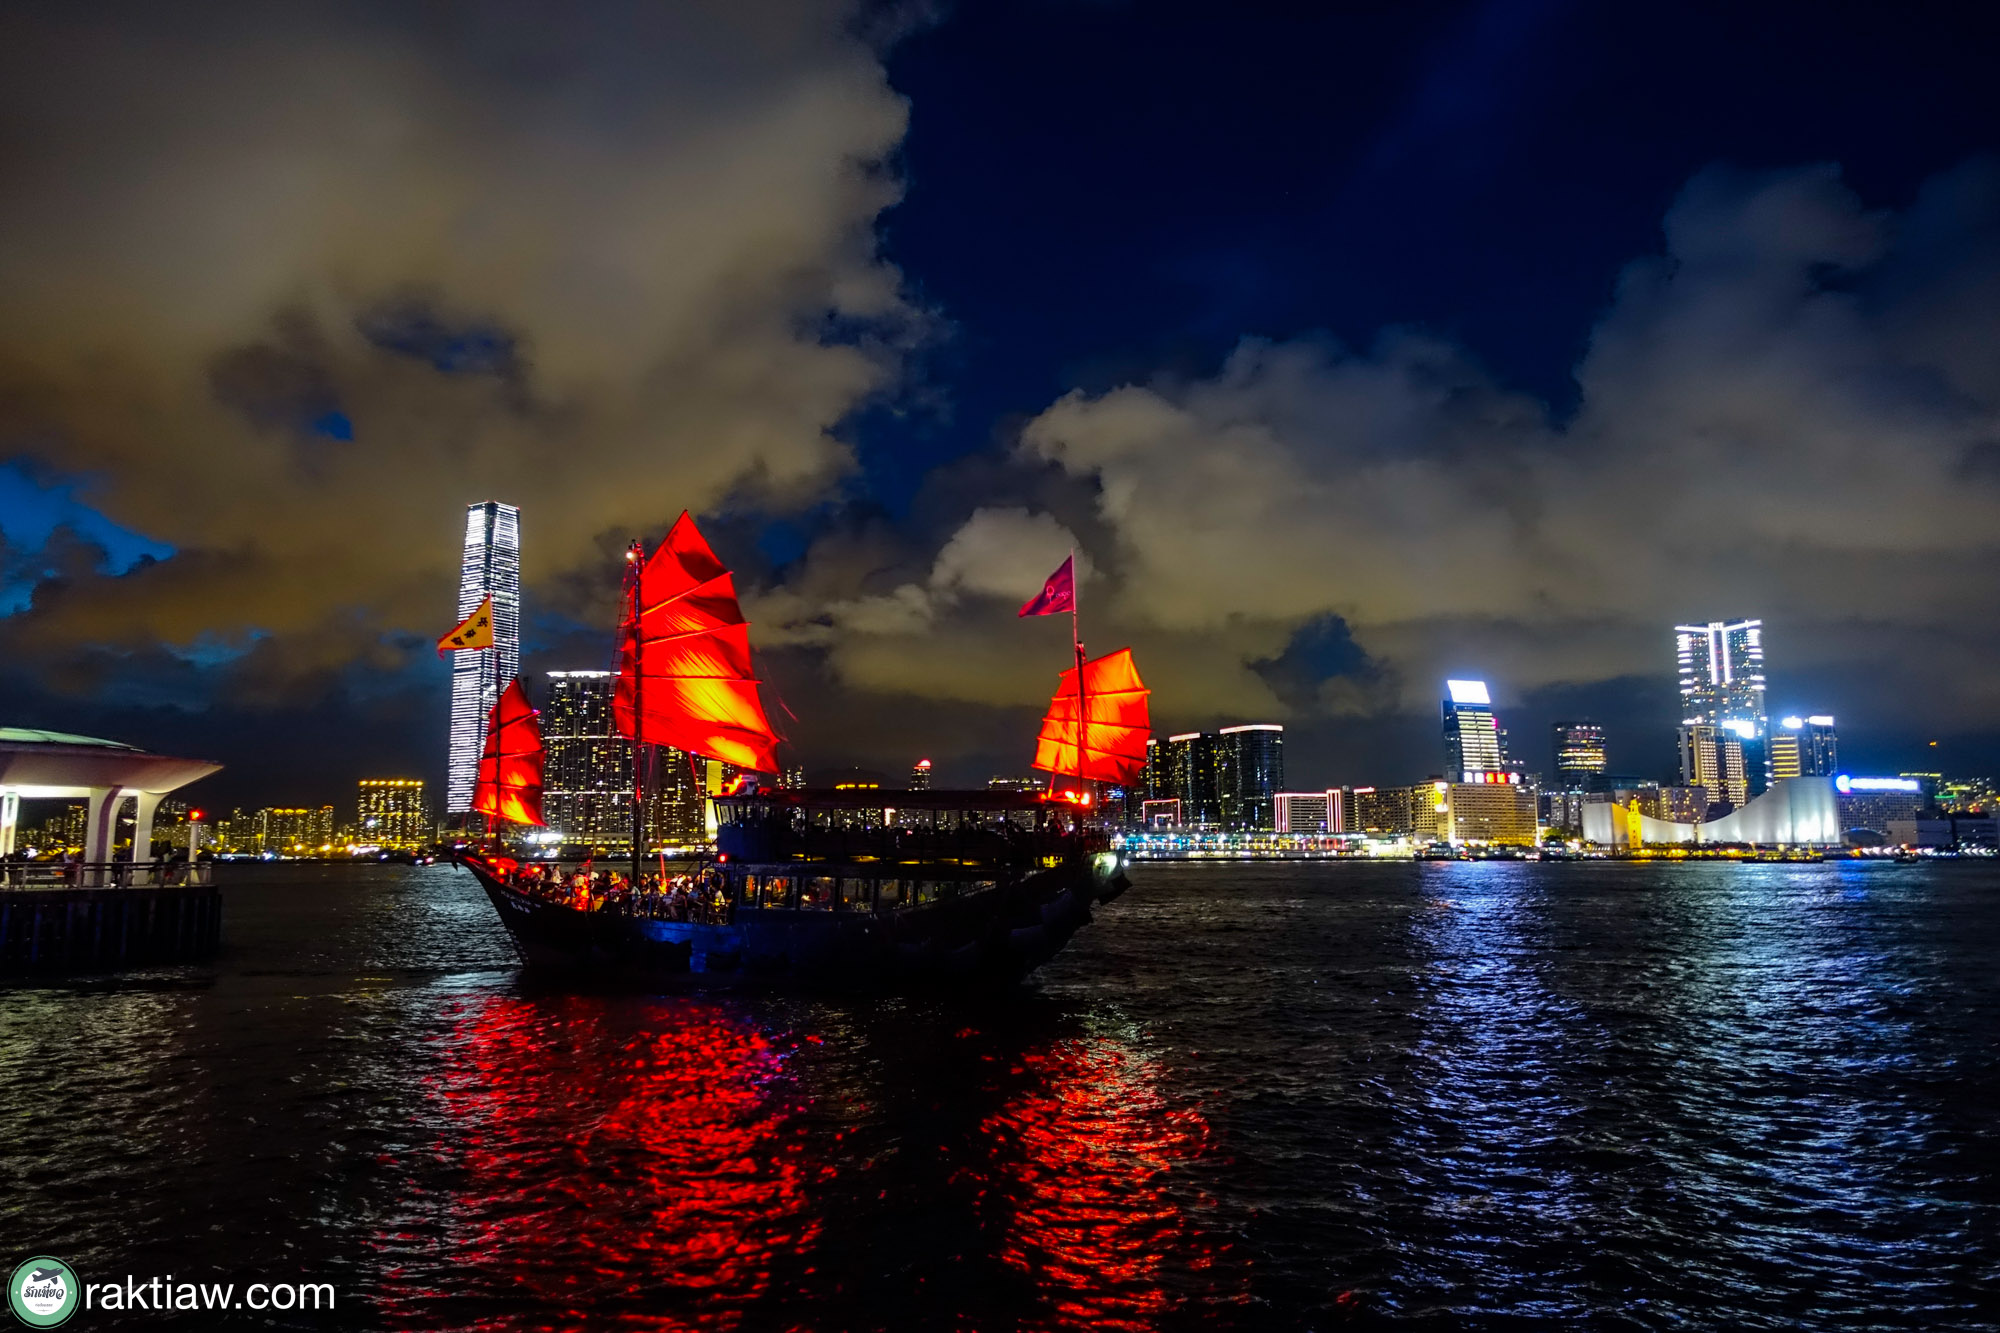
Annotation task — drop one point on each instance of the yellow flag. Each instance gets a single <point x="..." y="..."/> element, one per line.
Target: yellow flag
<point x="475" y="631"/>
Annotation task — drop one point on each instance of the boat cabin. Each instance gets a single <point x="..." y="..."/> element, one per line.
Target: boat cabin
<point x="983" y="828"/>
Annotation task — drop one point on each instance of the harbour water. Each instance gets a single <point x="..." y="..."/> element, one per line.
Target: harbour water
<point x="1252" y="1096"/>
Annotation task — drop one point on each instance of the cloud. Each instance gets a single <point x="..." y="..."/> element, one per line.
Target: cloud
<point x="286" y="286"/>
<point x="1789" y="412"/>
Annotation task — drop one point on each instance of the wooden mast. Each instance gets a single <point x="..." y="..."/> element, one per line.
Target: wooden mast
<point x="635" y="560"/>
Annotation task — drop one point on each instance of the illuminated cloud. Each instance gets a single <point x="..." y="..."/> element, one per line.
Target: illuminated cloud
<point x="286" y="286"/>
<point x="1787" y="413"/>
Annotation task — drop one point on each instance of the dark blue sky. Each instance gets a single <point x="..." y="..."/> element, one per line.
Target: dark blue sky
<point x="1098" y="190"/>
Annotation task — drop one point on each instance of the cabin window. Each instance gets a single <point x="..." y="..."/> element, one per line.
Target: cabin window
<point x="889" y="894"/>
<point x="854" y="895"/>
<point x="774" y="891"/>
<point x="816" y="892"/>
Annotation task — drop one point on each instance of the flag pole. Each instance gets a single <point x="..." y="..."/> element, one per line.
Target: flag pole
<point x="1076" y="641"/>
<point x="634" y="560"/>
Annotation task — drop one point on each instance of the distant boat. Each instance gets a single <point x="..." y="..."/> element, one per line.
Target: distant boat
<point x="864" y="887"/>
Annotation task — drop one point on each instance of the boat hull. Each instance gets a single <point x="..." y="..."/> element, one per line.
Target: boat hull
<point x="993" y="938"/>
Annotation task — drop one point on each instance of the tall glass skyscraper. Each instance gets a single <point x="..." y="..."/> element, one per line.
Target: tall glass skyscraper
<point x="1722" y="674"/>
<point x="1721" y="668"/>
<point x="491" y="568"/>
<point x="1251" y="774"/>
<point x="1471" y="733"/>
<point x="587" y="775"/>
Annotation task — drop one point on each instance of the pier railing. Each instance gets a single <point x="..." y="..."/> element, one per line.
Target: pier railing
<point x="34" y="875"/>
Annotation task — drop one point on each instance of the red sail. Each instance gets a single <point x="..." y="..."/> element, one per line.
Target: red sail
<point x="686" y="657"/>
<point x="510" y="772"/>
<point x="1116" y="723"/>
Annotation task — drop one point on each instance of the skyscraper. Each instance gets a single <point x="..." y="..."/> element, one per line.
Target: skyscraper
<point x="587" y="775"/>
<point x="1722" y="673"/>
<point x="1579" y="751"/>
<point x="391" y="812"/>
<point x="1712" y="758"/>
<point x="1804" y="747"/>
<point x="1193" y="764"/>
<point x="920" y="775"/>
<point x="491" y="568"/>
<point x="1250" y="771"/>
<point x="1471" y="733"/>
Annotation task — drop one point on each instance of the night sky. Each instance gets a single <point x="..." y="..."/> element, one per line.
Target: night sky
<point x="1353" y="347"/>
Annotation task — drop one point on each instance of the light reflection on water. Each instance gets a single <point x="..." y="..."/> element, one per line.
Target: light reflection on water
<point x="1249" y="1096"/>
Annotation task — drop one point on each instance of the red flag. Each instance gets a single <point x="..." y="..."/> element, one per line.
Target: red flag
<point x="1057" y="595"/>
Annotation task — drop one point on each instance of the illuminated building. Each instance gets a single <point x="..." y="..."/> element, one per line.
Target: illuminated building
<point x="1712" y="757"/>
<point x="293" y="830"/>
<point x="1795" y="812"/>
<point x="1495" y="808"/>
<point x="1471" y="733"/>
<point x="1308" y="812"/>
<point x="1721" y="668"/>
<point x="1383" y="811"/>
<point x="392" y="812"/>
<point x="1887" y="807"/>
<point x="587" y="772"/>
<point x="1578" y="748"/>
<point x="1193" y="764"/>
<point x="1250" y="768"/>
<point x="1804" y="747"/>
<point x="920" y="776"/>
<point x="491" y="567"/>
<point x="1013" y="784"/>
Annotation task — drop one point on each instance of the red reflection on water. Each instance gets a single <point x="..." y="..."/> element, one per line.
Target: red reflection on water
<point x="1094" y="1223"/>
<point x="602" y="1173"/>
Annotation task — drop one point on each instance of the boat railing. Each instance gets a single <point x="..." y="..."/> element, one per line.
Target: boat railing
<point x="1003" y="848"/>
<point x="30" y="876"/>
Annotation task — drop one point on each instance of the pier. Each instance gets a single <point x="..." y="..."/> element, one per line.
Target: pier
<point x="57" y="919"/>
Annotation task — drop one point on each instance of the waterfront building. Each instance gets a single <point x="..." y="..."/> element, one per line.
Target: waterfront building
<point x="1795" y="812"/>
<point x="1721" y="670"/>
<point x="793" y="778"/>
<point x="490" y="567"/>
<point x="1250" y="769"/>
<point x="392" y="813"/>
<point x="1684" y="805"/>
<point x="1193" y="763"/>
<point x="1308" y="812"/>
<point x="1013" y="784"/>
<point x="1382" y="811"/>
<point x="1160" y="814"/>
<point x="1804" y="747"/>
<point x="1578" y="749"/>
<point x="237" y="835"/>
<point x="1472" y="741"/>
<point x="1887" y="808"/>
<point x="1713" y="758"/>
<point x="587" y="771"/>
<point x="294" y="830"/>
<point x="1499" y="810"/>
<point x="920" y="776"/>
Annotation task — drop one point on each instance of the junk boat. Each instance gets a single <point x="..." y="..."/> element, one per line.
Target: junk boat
<point x="852" y="887"/>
